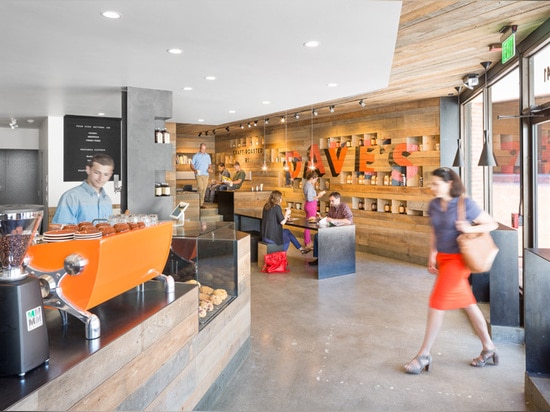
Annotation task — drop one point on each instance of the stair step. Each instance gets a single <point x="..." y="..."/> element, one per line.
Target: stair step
<point x="211" y="218"/>
<point x="209" y="211"/>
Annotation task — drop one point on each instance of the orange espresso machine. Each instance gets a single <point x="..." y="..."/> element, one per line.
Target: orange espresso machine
<point x="77" y="275"/>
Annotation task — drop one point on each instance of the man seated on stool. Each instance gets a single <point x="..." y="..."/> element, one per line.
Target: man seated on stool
<point x="224" y="178"/>
<point x="238" y="178"/>
<point x="339" y="214"/>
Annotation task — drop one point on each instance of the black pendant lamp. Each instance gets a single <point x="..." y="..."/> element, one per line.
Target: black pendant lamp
<point x="487" y="157"/>
<point x="459" y="159"/>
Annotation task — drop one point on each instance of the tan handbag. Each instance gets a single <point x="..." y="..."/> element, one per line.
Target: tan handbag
<point x="478" y="250"/>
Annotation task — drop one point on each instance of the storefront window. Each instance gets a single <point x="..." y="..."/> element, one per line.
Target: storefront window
<point x="506" y="147"/>
<point x="473" y="138"/>
<point x="541" y="75"/>
<point x="541" y="135"/>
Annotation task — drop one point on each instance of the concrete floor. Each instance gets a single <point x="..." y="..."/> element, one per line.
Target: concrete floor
<point x="341" y="343"/>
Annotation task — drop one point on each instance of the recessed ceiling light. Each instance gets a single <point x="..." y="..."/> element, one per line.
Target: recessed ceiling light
<point x="332" y="85"/>
<point x="266" y="102"/>
<point x="111" y="14"/>
<point x="232" y="111"/>
<point x="210" y="77"/>
<point x="30" y="121"/>
<point x="101" y="114"/>
<point x="200" y="120"/>
<point x="175" y="51"/>
<point x="187" y="88"/>
<point x="311" y="43"/>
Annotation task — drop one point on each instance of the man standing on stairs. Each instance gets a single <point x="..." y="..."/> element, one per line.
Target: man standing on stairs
<point x="201" y="165"/>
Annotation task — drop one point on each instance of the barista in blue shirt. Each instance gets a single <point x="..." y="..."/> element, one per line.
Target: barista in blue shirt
<point x="89" y="201"/>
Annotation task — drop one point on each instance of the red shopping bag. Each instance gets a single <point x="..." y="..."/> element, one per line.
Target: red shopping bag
<point x="275" y="262"/>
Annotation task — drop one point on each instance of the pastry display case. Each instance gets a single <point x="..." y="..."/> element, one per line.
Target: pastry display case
<point x="205" y="254"/>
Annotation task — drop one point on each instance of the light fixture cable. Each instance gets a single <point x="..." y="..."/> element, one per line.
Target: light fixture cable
<point x="487" y="157"/>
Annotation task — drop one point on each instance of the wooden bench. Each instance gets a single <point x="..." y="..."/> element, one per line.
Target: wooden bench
<point x="264" y="249"/>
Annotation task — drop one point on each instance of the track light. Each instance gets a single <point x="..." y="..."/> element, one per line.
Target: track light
<point x="214" y="132"/>
<point x="314" y="112"/>
<point x="227" y="129"/>
<point x="200" y="134"/>
<point x="266" y="121"/>
<point x="331" y="108"/>
<point x="249" y="125"/>
<point x="362" y="103"/>
<point x="296" y="116"/>
<point x="206" y="133"/>
<point x="255" y="123"/>
<point x="283" y="119"/>
<point x="241" y="126"/>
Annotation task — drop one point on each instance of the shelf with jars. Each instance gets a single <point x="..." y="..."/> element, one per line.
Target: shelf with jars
<point x="162" y="136"/>
<point x="183" y="160"/>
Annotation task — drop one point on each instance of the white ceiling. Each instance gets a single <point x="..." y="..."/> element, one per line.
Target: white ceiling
<point x="62" y="57"/>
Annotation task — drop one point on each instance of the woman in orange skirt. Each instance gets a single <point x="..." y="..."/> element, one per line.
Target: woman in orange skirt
<point x="452" y="289"/>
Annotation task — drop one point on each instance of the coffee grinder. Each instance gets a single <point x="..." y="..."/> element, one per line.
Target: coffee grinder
<point x="23" y="331"/>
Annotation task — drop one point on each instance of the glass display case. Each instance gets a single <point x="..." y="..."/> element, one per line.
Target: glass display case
<point x="205" y="253"/>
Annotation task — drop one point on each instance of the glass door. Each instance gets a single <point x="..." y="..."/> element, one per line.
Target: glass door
<point x="541" y="134"/>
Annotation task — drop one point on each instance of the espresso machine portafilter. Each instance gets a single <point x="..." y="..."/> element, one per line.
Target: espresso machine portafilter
<point x="23" y="331"/>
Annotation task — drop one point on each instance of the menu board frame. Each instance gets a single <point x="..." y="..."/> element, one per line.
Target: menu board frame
<point x="85" y="136"/>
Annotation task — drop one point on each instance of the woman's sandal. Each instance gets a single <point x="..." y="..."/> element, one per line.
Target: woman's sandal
<point x="484" y="357"/>
<point x="423" y="362"/>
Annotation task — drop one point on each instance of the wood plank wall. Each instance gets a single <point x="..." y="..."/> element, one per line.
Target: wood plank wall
<point x="405" y="236"/>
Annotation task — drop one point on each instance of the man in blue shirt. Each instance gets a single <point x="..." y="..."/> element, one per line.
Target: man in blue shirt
<point x="89" y="201"/>
<point x="201" y="165"/>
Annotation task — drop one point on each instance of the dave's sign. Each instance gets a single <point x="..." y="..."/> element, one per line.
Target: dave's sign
<point x="366" y="158"/>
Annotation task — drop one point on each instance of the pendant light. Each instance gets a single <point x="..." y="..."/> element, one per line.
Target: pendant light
<point x="311" y="163"/>
<point x="286" y="168"/>
<point x="487" y="157"/>
<point x="264" y="166"/>
<point x="459" y="159"/>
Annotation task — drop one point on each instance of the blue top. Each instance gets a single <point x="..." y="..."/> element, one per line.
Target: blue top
<point x="201" y="162"/>
<point x="82" y="204"/>
<point x="309" y="192"/>
<point x="443" y="222"/>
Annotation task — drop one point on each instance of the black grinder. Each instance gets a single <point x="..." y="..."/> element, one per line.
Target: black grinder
<point x="23" y="331"/>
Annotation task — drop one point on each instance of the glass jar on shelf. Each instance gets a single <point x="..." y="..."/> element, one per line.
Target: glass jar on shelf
<point x="387" y="208"/>
<point x="402" y="208"/>
<point x="165" y="136"/>
<point x="374" y="206"/>
<point x="158" y="189"/>
<point x="158" y="135"/>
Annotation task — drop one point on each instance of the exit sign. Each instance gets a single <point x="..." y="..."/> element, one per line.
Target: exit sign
<point x="508" y="48"/>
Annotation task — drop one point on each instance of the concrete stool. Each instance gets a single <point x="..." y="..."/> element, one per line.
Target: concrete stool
<point x="264" y="249"/>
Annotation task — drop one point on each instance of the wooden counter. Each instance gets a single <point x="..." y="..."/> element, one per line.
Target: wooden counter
<point x="151" y="354"/>
<point x="232" y="201"/>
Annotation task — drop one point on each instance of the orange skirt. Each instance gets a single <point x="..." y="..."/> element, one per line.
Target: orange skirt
<point x="451" y="289"/>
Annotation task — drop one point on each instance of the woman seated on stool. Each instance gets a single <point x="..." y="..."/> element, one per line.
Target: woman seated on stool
<point x="272" y="224"/>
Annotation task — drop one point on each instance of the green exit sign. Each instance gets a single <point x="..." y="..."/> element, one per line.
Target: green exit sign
<point x="508" y="48"/>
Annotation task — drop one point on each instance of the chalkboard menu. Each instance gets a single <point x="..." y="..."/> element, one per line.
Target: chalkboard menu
<point x="83" y="138"/>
